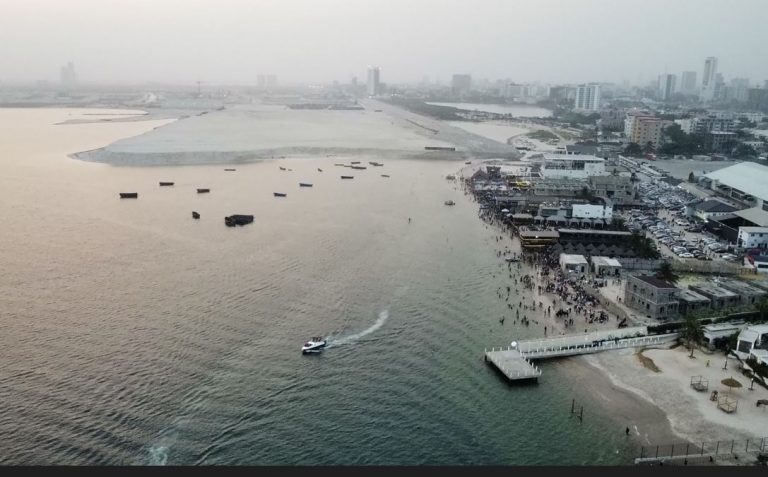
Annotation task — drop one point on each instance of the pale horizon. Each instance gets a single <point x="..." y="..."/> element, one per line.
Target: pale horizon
<point x="303" y="41"/>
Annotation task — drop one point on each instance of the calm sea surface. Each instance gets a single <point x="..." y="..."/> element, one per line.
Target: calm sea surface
<point x="133" y="334"/>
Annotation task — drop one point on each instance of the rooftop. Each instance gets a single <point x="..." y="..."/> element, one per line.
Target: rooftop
<point x="572" y="259"/>
<point x="715" y="291"/>
<point x="691" y="296"/>
<point x="572" y="157"/>
<point x="754" y="230"/>
<point x="655" y="282"/>
<point x="714" y="205"/>
<point x="724" y="326"/>
<point x="528" y="234"/>
<point x="742" y="288"/>
<point x="595" y="232"/>
<point x="605" y="262"/>
<point x="747" y="177"/>
<point x="756" y="215"/>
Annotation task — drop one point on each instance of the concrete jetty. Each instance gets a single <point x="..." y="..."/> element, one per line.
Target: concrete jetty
<point x="514" y="361"/>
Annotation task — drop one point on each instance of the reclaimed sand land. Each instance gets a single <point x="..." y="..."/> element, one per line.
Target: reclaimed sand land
<point x="253" y="132"/>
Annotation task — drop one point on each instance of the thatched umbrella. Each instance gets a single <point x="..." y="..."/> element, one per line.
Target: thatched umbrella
<point x="731" y="383"/>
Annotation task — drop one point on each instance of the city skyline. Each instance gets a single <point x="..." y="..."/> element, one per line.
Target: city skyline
<point x="206" y="41"/>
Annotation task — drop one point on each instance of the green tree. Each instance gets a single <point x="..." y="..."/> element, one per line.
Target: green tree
<point x="744" y="151"/>
<point x="665" y="272"/>
<point x="633" y="149"/>
<point x="643" y="246"/>
<point x="649" y="148"/>
<point x="762" y="307"/>
<point x="692" y="331"/>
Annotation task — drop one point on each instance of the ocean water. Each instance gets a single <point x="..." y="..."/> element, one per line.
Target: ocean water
<point x="133" y="334"/>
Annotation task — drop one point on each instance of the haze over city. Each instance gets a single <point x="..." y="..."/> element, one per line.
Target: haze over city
<point x="321" y="41"/>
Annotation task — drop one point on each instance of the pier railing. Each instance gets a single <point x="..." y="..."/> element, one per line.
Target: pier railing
<point x="700" y="451"/>
<point x="546" y="350"/>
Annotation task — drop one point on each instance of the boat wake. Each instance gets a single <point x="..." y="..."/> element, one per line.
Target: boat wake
<point x="352" y="338"/>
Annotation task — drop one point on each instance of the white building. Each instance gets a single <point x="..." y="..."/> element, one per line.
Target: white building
<point x="575" y="264"/>
<point x="592" y="211"/>
<point x="565" y="166"/>
<point x="709" y="79"/>
<point x="374" y="84"/>
<point x="753" y="237"/>
<point x="686" y="125"/>
<point x="587" y="98"/>
<point x="752" y="338"/>
<point x="666" y="86"/>
<point x="688" y="82"/>
<point x="744" y="182"/>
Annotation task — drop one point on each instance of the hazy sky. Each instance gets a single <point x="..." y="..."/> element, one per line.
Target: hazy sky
<point x="322" y="40"/>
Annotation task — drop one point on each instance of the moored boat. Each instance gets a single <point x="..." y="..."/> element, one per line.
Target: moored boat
<point x="238" y="219"/>
<point x="347" y="177"/>
<point x="166" y="184"/>
<point x="359" y="167"/>
<point x="129" y="195"/>
<point x="280" y="194"/>
<point x="385" y="175"/>
<point x="195" y="215"/>
<point x="315" y="345"/>
<point x="319" y="170"/>
<point x="305" y="184"/>
<point x="354" y="162"/>
<point x="203" y="191"/>
<point x="282" y="168"/>
<point x="230" y="170"/>
<point x="450" y="202"/>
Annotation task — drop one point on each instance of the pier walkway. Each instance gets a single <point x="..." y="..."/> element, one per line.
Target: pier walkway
<point x="514" y="361"/>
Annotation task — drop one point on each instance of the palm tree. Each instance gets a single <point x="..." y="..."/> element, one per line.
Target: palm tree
<point x="665" y="272"/>
<point x="762" y="307"/>
<point x="692" y="330"/>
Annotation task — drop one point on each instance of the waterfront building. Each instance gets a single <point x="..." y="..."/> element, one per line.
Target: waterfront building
<point x="709" y="80"/>
<point x="587" y="98"/>
<point x="653" y="297"/>
<point x="564" y="166"/>
<point x="573" y="264"/>
<point x="748" y="295"/>
<point x="709" y="209"/>
<point x="461" y="84"/>
<point x="719" y="297"/>
<point x="615" y="187"/>
<point x="691" y="302"/>
<point x="753" y="237"/>
<point x="374" y="81"/>
<point x="642" y="129"/>
<point x="666" y="86"/>
<point x="744" y="182"/>
<point x="688" y="82"/>
<point x="752" y="338"/>
<point x="605" y="266"/>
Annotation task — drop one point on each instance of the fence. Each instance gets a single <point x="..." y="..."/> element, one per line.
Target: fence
<point x="702" y="449"/>
<point x="720" y="267"/>
<point x="639" y="263"/>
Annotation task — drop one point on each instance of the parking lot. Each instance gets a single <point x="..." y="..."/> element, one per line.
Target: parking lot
<point x="675" y="235"/>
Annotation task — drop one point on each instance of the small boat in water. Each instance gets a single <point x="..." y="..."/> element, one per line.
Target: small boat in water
<point x="195" y="215"/>
<point x="238" y="219"/>
<point x="342" y="165"/>
<point x="450" y="202"/>
<point x="280" y="194"/>
<point x="347" y="177"/>
<point x="129" y="195"/>
<point x="315" y="345"/>
<point x="230" y="170"/>
<point x="165" y="184"/>
<point x="354" y="162"/>
<point x="468" y="162"/>
<point x="203" y="191"/>
<point x="385" y="175"/>
<point x="282" y="168"/>
<point x="319" y="170"/>
<point x="305" y="184"/>
<point x="359" y="167"/>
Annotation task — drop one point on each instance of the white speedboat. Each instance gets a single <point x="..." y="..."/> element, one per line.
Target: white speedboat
<point x="314" y="345"/>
